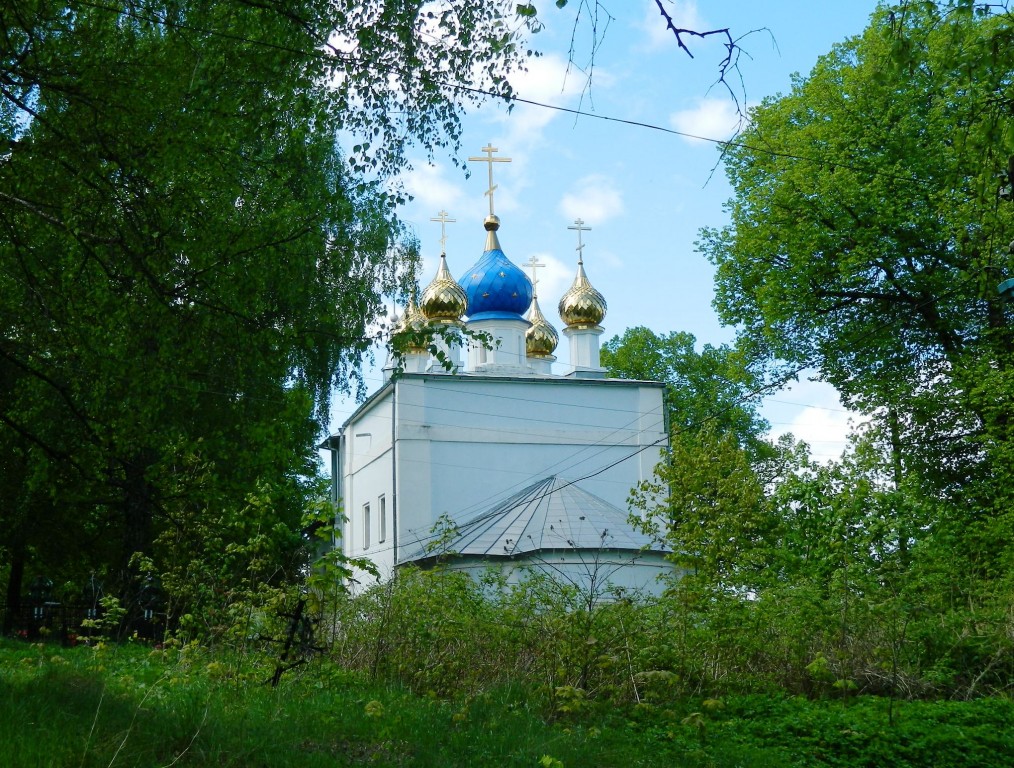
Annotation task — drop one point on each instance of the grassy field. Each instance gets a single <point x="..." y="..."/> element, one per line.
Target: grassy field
<point x="134" y="706"/>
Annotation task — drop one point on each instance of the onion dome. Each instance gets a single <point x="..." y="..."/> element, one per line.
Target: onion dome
<point x="444" y="301"/>
<point x="582" y="305"/>
<point x="412" y="322"/>
<point x="541" y="338"/>
<point x="495" y="287"/>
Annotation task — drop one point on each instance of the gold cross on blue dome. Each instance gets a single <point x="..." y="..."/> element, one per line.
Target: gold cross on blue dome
<point x="489" y="149"/>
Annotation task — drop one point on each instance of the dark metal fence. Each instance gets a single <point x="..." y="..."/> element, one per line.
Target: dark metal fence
<point x="69" y="624"/>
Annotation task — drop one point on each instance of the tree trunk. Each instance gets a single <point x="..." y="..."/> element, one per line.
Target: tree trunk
<point x="898" y="471"/>
<point x="138" y="516"/>
<point x="14" y="581"/>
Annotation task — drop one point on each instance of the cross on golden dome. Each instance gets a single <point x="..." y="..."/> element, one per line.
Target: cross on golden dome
<point x="580" y="227"/>
<point x="444" y="221"/>
<point x="535" y="264"/>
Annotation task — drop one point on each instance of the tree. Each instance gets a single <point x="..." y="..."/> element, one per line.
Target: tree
<point x="188" y="261"/>
<point x="870" y="228"/>
<point x="706" y="503"/>
<point x="867" y="237"/>
<point x="714" y="389"/>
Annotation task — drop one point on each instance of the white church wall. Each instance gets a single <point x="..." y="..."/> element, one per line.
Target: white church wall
<point x="416" y="480"/>
<point x="368" y="480"/>
<point x="506" y="347"/>
<point x="465" y="443"/>
<point x="602" y="576"/>
<point x="534" y="405"/>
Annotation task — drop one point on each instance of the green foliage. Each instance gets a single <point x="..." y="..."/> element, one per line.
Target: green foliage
<point x="869" y="230"/>
<point x="224" y="573"/>
<point x="108" y="622"/>
<point x="443" y="532"/>
<point x="190" y="262"/>
<point x="86" y="707"/>
<point x="184" y="285"/>
<point x="712" y="390"/>
<point x="706" y="504"/>
<point x="868" y="235"/>
<point x="441" y="632"/>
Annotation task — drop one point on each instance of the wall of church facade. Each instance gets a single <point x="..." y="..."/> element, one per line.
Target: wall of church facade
<point x="368" y="487"/>
<point x="598" y="576"/>
<point x="461" y="444"/>
<point x="465" y="443"/>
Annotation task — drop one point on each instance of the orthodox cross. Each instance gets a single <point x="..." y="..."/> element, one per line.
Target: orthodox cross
<point x="444" y="221"/>
<point x="489" y="149"/>
<point x="580" y="227"/>
<point x="535" y="264"/>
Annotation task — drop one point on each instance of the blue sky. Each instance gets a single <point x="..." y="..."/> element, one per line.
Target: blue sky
<point x="645" y="193"/>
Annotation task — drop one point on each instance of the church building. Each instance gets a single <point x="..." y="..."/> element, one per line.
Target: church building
<point x="476" y="454"/>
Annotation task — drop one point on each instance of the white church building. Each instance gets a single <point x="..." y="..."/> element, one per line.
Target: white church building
<point x="500" y="462"/>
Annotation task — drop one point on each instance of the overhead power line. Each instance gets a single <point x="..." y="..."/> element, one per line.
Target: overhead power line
<point x="485" y="92"/>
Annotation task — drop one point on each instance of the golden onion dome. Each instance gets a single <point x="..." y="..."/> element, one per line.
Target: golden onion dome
<point x="412" y="322"/>
<point x="582" y="305"/>
<point x="444" y="301"/>
<point x="541" y="338"/>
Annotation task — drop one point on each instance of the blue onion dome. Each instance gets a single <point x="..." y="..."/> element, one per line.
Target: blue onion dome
<point x="582" y="305"/>
<point x="444" y="301"/>
<point x="412" y="322"/>
<point x="541" y="338"/>
<point x="495" y="287"/>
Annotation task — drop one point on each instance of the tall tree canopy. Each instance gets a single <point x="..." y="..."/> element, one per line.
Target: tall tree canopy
<point x="712" y="390"/>
<point x="868" y="235"/>
<point x="187" y="260"/>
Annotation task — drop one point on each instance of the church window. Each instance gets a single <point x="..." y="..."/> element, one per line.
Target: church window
<point x="382" y="522"/>
<point x="366" y="526"/>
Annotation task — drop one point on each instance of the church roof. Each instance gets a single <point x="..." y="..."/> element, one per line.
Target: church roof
<point x="541" y="338"/>
<point x="582" y="304"/>
<point x="551" y="514"/>
<point x="495" y="286"/>
<point x="443" y="300"/>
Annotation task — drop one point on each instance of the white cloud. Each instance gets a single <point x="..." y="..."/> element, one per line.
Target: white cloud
<point x="711" y="118"/>
<point x="825" y="431"/>
<point x="431" y="189"/>
<point x="554" y="279"/>
<point x="520" y="133"/>
<point x="812" y="412"/>
<point x="595" y="199"/>
<point x="548" y="80"/>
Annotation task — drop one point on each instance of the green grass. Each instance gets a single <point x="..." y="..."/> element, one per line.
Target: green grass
<point x="131" y="706"/>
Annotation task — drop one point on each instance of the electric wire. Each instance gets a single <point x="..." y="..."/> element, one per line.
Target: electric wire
<point x="810" y="363"/>
<point x="487" y="93"/>
<point x="513" y="99"/>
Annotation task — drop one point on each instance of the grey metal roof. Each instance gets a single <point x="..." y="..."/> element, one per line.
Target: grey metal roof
<point x="551" y="514"/>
